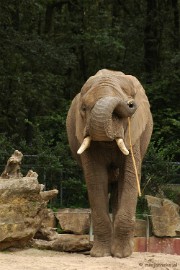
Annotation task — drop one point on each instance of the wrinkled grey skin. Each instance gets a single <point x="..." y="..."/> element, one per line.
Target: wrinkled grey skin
<point x="101" y="111"/>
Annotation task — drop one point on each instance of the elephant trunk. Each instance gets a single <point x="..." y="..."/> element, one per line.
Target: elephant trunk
<point x="107" y="116"/>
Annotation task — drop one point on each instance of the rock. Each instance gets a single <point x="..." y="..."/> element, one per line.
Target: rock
<point x="76" y="221"/>
<point x="164" y="216"/>
<point x="178" y="230"/>
<point x="65" y="242"/>
<point x="140" y="227"/>
<point x="48" y="226"/>
<point x="48" y="195"/>
<point x="46" y="233"/>
<point x="31" y="173"/>
<point x="21" y="210"/>
<point x="22" y="204"/>
<point x="12" y="168"/>
<point x="49" y="219"/>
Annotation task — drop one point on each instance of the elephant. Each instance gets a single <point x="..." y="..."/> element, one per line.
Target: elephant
<point x="97" y="130"/>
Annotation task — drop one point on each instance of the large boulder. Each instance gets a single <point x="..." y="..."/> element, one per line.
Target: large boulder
<point x="164" y="216"/>
<point x="75" y="221"/>
<point x="21" y="210"/>
<point x="78" y="221"/>
<point x="22" y="204"/>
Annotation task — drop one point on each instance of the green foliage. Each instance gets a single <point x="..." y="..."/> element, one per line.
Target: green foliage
<point x="158" y="171"/>
<point x="163" y="97"/>
<point x="75" y="193"/>
<point x="172" y="194"/>
<point x="59" y="229"/>
<point x="49" y="48"/>
<point x="142" y="208"/>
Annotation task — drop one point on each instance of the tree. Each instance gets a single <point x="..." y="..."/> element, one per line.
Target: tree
<point x="50" y="47"/>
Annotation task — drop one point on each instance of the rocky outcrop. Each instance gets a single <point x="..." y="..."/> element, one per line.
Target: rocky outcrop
<point x="12" y="169"/>
<point x="76" y="221"/>
<point x="49" y="219"/>
<point x="46" y="233"/>
<point x="22" y="206"/>
<point x="48" y="238"/>
<point x="48" y="195"/>
<point x="21" y="211"/>
<point x="65" y="242"/>
<point x="164" y="216"/>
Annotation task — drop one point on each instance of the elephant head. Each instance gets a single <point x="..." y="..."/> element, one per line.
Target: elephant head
<point x="105" y="102"/>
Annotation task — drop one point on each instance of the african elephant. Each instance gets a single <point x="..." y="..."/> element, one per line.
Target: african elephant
<point x="97" y="128"/>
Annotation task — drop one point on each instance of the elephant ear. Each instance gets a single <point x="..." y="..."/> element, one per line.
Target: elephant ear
<point x="79" y="129"/>
<point x="139" y="119"/>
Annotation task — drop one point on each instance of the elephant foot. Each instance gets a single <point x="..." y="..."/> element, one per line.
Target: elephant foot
<point x="122" y="248"/>
<point x="100" y="250"/>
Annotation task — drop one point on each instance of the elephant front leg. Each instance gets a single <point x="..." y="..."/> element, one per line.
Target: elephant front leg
<point x="97" y="186"/>
<point x="122" y="244"/>
<point x="124" y="223"/>
<point x="102" y="234"/>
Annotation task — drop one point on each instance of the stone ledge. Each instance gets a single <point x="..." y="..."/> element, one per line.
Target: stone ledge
<point x="157" y="245"/>
<point x="65" y="242"/>
<point x="81" y="243"/>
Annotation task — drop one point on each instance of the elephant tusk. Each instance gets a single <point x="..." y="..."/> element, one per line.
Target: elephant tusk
<point x="85" y="144"/>
<point x="122" y="146"/>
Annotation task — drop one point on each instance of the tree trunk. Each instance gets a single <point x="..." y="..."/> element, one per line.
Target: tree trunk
<point x="176" y="24"/>
<point x="50" y="13"/>
<point x="49" y="18"/>
<point x="150" y="40"/>
<point x="15" y="17"/>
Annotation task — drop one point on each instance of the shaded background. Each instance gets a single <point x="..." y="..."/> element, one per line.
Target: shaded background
<point x="48" y="48"/>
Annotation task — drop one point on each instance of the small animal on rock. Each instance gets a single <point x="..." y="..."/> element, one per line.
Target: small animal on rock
<point x="97" y="128"/>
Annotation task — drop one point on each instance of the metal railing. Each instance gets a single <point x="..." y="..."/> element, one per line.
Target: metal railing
<point x="58" y="177"/>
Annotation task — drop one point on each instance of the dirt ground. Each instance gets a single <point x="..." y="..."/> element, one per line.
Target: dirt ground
<point x="34" y="259"/>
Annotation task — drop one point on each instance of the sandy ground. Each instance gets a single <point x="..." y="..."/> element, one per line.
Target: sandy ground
<point x="33" y="259"/>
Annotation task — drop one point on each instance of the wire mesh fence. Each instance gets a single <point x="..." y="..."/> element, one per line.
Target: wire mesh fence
<point x="70" y="181"/>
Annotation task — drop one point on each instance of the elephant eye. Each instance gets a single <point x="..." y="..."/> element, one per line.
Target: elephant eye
<point x="131" y="103"/>
<point x="83" y="108"/>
